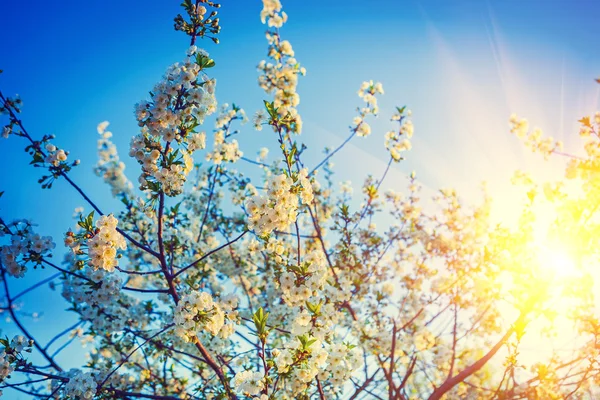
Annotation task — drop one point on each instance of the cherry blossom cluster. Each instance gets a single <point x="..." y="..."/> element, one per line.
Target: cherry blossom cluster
<point x="81" y="385"/>
<point x="318" y="317"/>
<point x="179" y="103"/>
<point x="367" y="92"/>
<point x="248" y="382"/>
<point x="47" y="155"/>
<point x="260" y="118"/>
<point x="26" y="247"/>
<point x="109" y="166"/>
<point x="6" y="367"/>
<point x="54" y="155"/>
<point x="102" y="242"/>
<point x="11" y="357"/>
<point x="20" y="343"/>
<point x="304" y="357"/>
<point x="101" y="301"/>
<point x="226" y="149"/>
<point x="98" y="297"/>
<point x="198" y="311"/>
<point x="300" y="283"/>
<point x="534" y="140"/>
<point x="590" y="125"/>
<point x="590" y="132"/>
<point x="173" y="178"/>
<point x="272" y="14"/>
<point x="280" y="76"/>
<point x="43" y="153"/>
<point x="317" y="275"/>
<point x="397" y="142"/>
<point x="11" y="106"/>
<point x="343" y="360"/>
<point x="77" y="384"/>
<point x="106" y="287"/>
<point x="92" y="285"/>
<point x="279" y="207"/>
<point x="227" y="114"/>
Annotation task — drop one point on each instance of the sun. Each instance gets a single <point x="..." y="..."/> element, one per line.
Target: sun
<point x="557" y="261"/>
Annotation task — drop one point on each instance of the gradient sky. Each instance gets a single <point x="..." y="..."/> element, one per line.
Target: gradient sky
<point x="462" y="67"/>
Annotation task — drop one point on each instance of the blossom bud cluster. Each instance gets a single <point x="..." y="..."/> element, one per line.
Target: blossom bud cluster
<point x="198" y="311"/>
<point x="25" y="247"/>
<point x="280" y="76"/>
<point x="279" y="208"/>
<point x="109" y="166"/>
<point x="367" y="92"/>
<point x="11" y="106"/>
<point x="198" y="10"/>
<point x="179" y="103"/>
<point x="397" y="142"/>
<point x="44" y="154"/>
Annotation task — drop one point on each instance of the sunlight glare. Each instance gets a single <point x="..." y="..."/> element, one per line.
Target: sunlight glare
<point x="557" y="260"/>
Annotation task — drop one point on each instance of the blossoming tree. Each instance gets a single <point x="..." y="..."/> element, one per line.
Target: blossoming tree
<point x="210" y="285"/>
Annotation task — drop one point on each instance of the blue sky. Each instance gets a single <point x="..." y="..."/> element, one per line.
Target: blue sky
<point x="462" y="66"/>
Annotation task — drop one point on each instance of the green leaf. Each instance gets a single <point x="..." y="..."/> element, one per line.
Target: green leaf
<point x="271" y="110"/>
<point x="37" y="158"/>
<point x="175" y="209"/>
<point x="292" y="154"/>
<point x="204" y="62"/>
<point x="88" y="223"/>
<point x="260" y="322"/>
<point x="315" y="309"/>
<point x="306" y="342"/>
<point x="187" y="4"/>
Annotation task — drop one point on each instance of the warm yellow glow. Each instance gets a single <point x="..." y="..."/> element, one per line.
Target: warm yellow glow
<point x="557" y="260"/>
